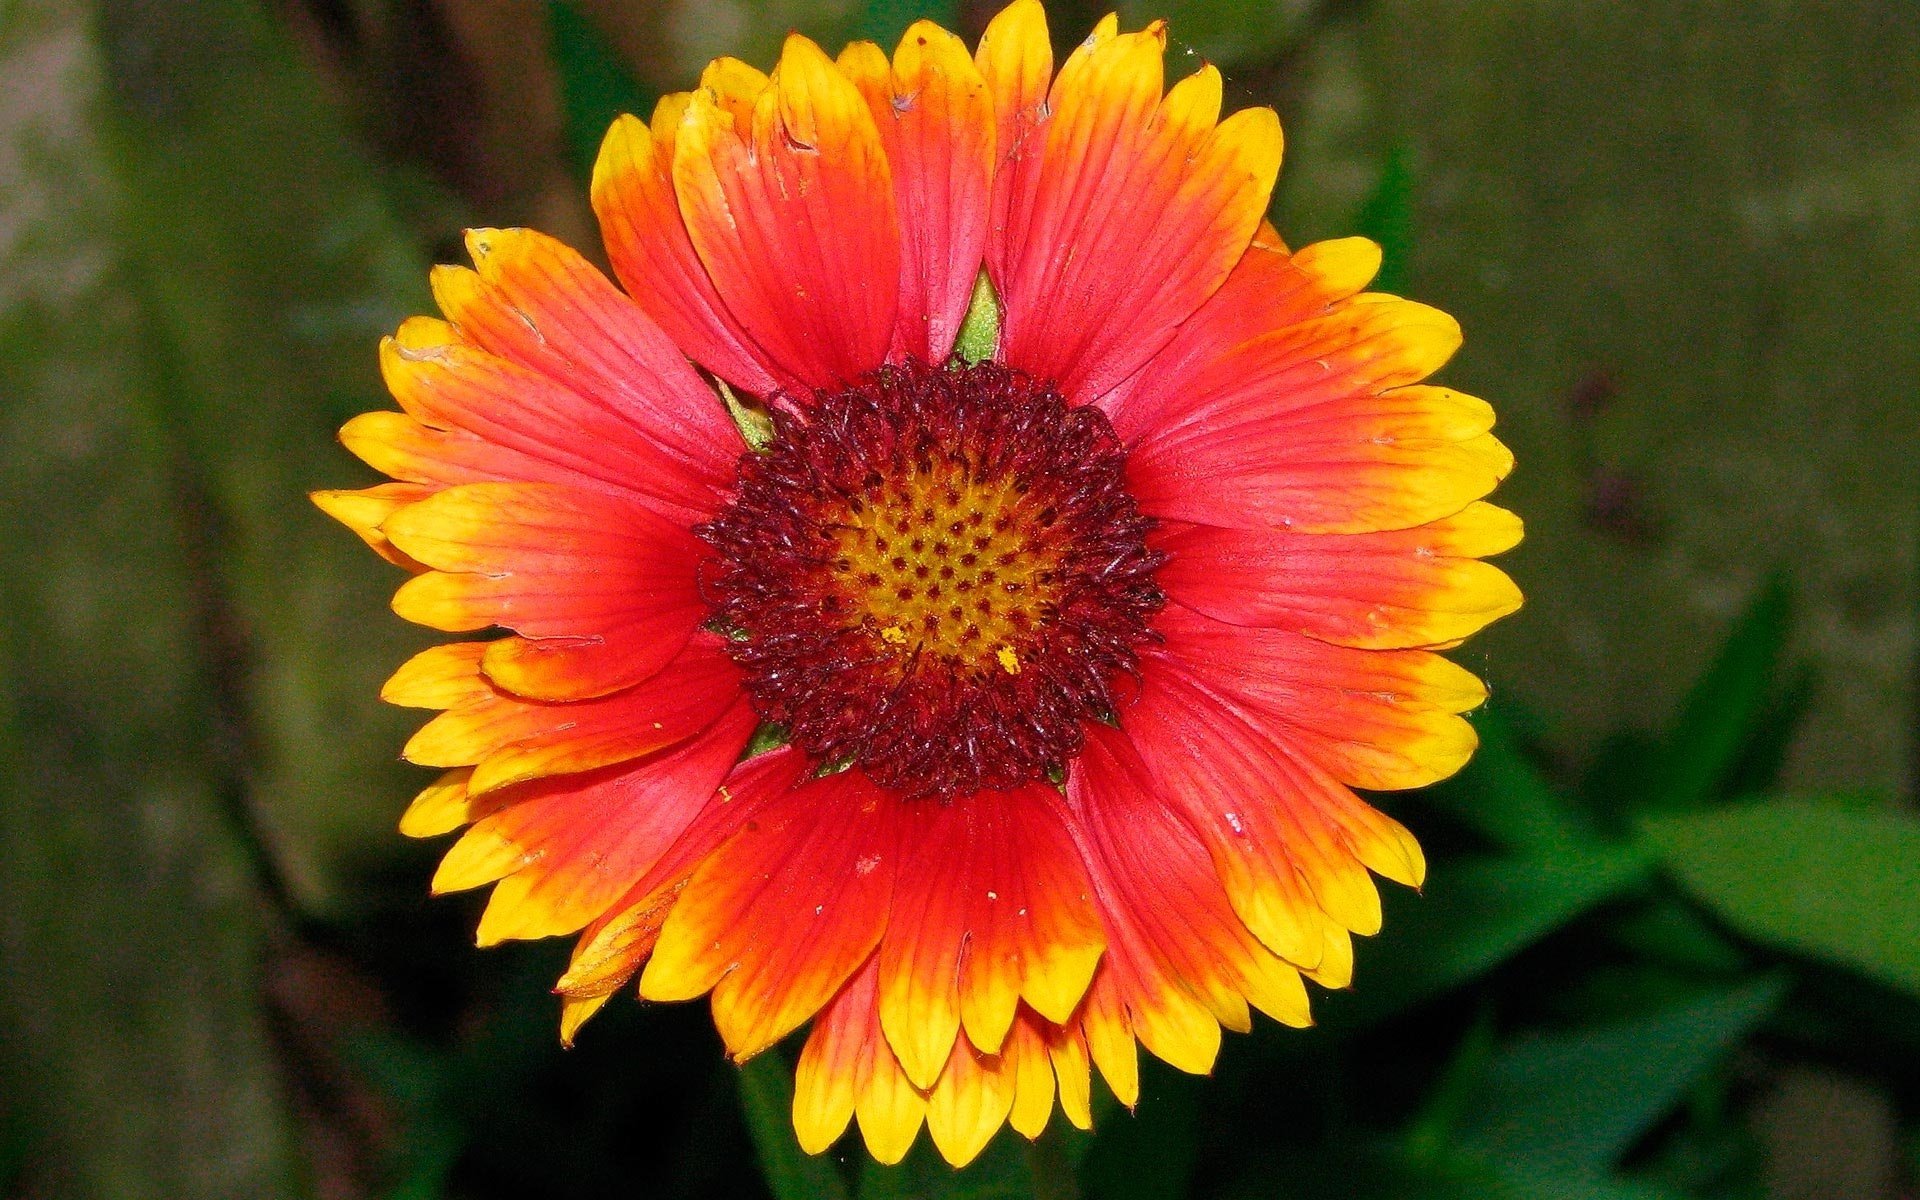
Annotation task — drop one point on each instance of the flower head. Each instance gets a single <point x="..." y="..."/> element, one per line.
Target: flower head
<point x="1075" y="646"/>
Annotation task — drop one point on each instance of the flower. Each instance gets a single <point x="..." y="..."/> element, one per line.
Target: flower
<point x="1072" y="646"/>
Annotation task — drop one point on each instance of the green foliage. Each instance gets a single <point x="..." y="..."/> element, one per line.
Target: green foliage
<point x="1387" y="218"/>
<point x="196" y="264"/>
<point x="1574" y="1102"/>
<point x="1821" y="878"/>
<point x="1473" y="916"/>
<point x="595" y="85"/>
<point x="1725" y="708"/>
<point x="1155" y="1150"/>
<point x="1505" y="798"/>
<point x="766" y="1095"/>
<point x="883" y="21"/>
<point x="755" y="423"/>
<point x="1229" y="32"/>
<point x="1004" y="1171"/>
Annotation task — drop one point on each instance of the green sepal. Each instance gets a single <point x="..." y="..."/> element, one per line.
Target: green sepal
<point x="753" y="419"/>
<point x="979" y="337"/>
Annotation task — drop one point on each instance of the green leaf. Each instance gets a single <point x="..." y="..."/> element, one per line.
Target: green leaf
<point x="595" y="86"/>
<point x="766" y="1098"/>
<point x="1575" y="1102"/>
<point x="1387" y="218"/>
<point x="1153" y="1151"/>
<point x="1724" y="708"/>
<point x="883" y="21"/>
<point x="1821" y="878"/>
<point x="1359" y="1170"/>
<point x="979" y="336"/>
<point x="1232" y="33"/>
<point x="1430" y="1136"/>
<point x="1004" y="1171"/>
<point x="1502" y="796"/>
<point x="1665" y="929"/>
<point x="1474" y="915"/>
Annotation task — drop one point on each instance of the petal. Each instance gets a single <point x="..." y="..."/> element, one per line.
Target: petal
<point x="1015" y="58"/>
<point x="583" y="840"/>
<point x="992" y="906"/>
<point x="1414" y="587"/>
<point x="399" y="445"/>
<point x="970" y="1103"/>
<point x="536" y="302"/>
<point x="614" y="946"/>
<point x="1290" y="844"/>
<point x="365" y="510"/>
<point x="605" y="588"/>
<point x="510" y="740"/>
<point x="527" y="424"/>
<point x="1067" y="1049"/>
<point x="1268" y="289"/>
<point x="1172" y="926"/>
<point x="795" y="219"/>
<point x="779" y="917"/>
<point x="936" y="121"/>
<point x="1377" y="719"/>
<point x="847" y="1069"/>
<point x="441" y="807"/>
<point x="445" y="676"/>
<point x="648" y="245"/>
<point x="1360" y="465"/>
<point x="1127" y="215"/>
<point x="1026" y="1056"/>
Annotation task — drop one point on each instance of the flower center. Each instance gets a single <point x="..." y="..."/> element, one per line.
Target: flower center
<point x="937" y="575"/>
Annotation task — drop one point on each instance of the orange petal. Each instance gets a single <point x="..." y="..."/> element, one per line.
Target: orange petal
<point x="1286" y="868"/>
<point x="584" y="840"/>
<point x="992" y="906"/>
<point x="847" y="1069"/>
<point x="510" y="740"/>
<point x="536" y="302"/>
<point x="547" y="431"/>
<point x="441" y="807"/>
<point x="1129" y="217"/>
<point x="613" y="947"/>
<point x="1378" y="719"/>
<point x="1067" y="1050"/>
<point x="970" y="1103"/>
<point x="795" y="220"/>
<point x="364" y="511"/>
<point x="604" y="585"/>
<point x="1269" y="289"/>
<point x="1173" y="933"/>
<point x="648" y="245"/>
<point x="936" y="120"/>
<point x="1377" y="591"/>
<point x="1359" y="465"/>
<point x="445" y="676"/>
<point x="1025" y="1054"/>
<point x="1015" y="58"/>
<point x="779" y="917"/>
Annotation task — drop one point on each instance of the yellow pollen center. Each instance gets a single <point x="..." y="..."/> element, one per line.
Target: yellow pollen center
<point x="940" y="565"/>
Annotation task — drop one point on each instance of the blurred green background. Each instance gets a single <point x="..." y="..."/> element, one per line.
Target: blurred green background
<point x="1671" y="943"/>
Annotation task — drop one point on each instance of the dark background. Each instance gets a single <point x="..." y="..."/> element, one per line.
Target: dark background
<point x="1671" y="942"/>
